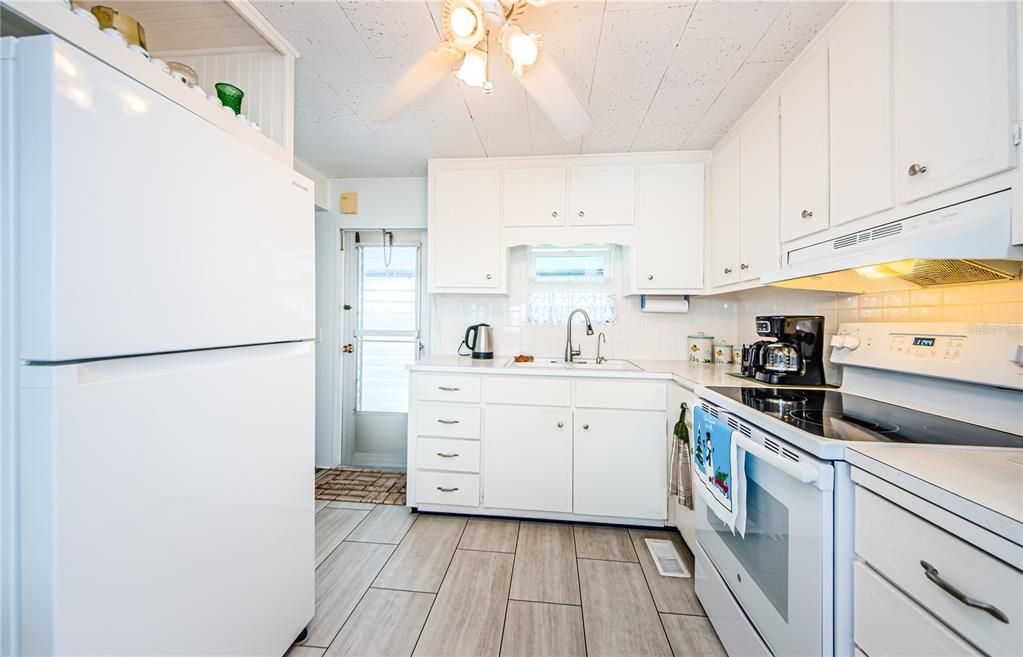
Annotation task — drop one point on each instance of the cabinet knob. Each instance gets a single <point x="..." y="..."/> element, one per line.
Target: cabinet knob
<point x="728" y="270"/>
<point x="561" y="425"/>
<point x="744" y="266"/>
<point x="554" y="214"/>
<point x="650" y="277"/>
<point x="806" y="214"/>
<point x="582" y="214"/>
<point x="916" y="169"/>
<point x="489" y="276"/>
<point x="586" y="427"/>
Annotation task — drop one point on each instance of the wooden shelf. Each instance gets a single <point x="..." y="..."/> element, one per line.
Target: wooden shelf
<point x="53" y="18"/>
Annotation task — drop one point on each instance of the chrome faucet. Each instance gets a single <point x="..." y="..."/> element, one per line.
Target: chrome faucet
<point x="601" y="338"/>
<point x="571" y="353"/>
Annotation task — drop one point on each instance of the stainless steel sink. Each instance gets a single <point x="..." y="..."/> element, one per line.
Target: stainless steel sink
<point x="557" y="363"/>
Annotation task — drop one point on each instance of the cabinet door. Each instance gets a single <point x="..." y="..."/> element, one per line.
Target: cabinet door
<point x="603" y="195"/>
<point x="527" y="458"/>
<point x="724" y="215"/>
<point x="669" y="227"/>
<point x="465" y="231"/>
<point x="620" y="464"/>
<point x="758" y="197"/>
<point x="860" y="125"/>
<point x="535" y="197"/>
<point x="951" y="94"/>
<point x="804" y="150"/>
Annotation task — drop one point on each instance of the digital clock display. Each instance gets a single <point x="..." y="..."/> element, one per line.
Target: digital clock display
<point x="923" y="342"/>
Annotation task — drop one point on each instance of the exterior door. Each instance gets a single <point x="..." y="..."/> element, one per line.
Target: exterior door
<point x="382" y="313"/>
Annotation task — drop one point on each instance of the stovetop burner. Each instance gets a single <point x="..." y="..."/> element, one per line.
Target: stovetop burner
<point x="824" y="418"/>
<point x="842" y="416"/>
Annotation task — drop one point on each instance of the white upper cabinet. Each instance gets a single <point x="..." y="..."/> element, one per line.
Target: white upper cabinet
<point x="758" y="192"/>
<point x="465" y="250"/>
<point x="860" y="87"/>
<point x="603" y="195"/>
<point x="724" y="212"/>
<point x="668" y="253"/>
<point x="804" y="150"/>
<point x="535" y="196"/>
<point x="952" y="94"/>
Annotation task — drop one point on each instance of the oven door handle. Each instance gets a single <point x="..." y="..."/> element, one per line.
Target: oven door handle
<point x="799" y="472"/>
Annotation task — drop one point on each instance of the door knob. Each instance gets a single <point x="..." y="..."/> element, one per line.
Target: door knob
<point x="586" y="427"/>
<point x="582" y="214"/>
<point x="554" y="214"/>
<point x="561" y="425"/>
<point x="650" y="277"/>
<point x="728" y="270"/>
<point x="806" y="214"/>
<point x="744" y="266"/>
<point x="489" y="276"/>
<point x="916" y="169"/>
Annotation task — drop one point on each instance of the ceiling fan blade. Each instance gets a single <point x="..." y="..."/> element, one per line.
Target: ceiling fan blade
<point x="419" y="79"/>
<point x="553" y="94"/>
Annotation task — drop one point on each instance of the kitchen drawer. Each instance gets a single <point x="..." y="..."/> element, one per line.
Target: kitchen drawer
<point x="895" y="542"/>
<point x="448" y="387"/>
<point x="455" y="488"/>
<point x="448" y="454"/>
<point x="888" y="624"/>
<point x="633" y="395"/>
<point x="448" y="420"/>
<point x="529" y="390"/>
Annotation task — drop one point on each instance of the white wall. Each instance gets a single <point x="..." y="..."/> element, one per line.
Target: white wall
<point x="392" y="203"/>
<point x="321" y="192"/>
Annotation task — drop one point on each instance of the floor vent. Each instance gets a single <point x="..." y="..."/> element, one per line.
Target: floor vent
<point x="669" y="564"/>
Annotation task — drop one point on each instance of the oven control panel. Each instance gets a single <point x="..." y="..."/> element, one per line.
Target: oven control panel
<point x="991" y="354"/>
<point x="944" y="347"/>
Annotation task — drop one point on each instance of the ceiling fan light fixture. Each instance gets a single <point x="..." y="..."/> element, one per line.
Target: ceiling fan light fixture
<point x="473" y="70"/>
<point x="522" y="48"/>
<point x="463" y="21"/>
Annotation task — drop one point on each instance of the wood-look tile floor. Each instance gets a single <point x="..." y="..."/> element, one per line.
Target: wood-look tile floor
<point x="392" y="583"/>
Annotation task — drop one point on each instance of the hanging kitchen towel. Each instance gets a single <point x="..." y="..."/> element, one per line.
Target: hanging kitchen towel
<point x="681" y="461"/>
<point x="719" y="470"/>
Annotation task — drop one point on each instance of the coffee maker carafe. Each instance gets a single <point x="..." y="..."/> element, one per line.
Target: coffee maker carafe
<point x="795" y="356"/>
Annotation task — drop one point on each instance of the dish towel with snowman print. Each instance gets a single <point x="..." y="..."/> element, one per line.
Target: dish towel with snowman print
<point x="719" y="469"/>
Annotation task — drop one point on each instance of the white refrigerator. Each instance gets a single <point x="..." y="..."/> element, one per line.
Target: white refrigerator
<point x="164" y="303"/>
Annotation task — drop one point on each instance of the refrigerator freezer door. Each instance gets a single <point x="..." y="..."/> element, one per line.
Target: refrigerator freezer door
<point x="144" y="228"/>
<point x="167" y="503"/>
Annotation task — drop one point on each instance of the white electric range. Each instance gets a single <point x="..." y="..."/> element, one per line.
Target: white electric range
<point x="785" y="587"/>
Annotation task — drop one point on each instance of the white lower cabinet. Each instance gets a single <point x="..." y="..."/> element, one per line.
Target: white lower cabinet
<point x="619" y="465"/>
<point x="540" y="446"/>
<point x="527" y="457"/>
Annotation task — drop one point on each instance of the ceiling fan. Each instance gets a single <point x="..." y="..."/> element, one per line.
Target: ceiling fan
<point x="466" y="52"/>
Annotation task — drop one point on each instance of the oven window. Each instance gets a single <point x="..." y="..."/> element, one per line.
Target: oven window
<point x="764" y="553"/>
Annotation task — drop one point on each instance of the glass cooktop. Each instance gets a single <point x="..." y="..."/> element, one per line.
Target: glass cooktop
<point x="842" y="416"/>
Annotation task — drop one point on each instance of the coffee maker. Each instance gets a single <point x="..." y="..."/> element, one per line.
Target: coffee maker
<point x="794" y="357"/>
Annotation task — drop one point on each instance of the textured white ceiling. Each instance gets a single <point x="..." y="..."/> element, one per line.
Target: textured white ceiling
<point x="656" y="76"/>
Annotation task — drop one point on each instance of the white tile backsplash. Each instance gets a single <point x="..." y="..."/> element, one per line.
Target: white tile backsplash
<point x="635" y="334"/>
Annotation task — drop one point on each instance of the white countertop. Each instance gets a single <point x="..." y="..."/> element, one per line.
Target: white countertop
<point x="982" y="485"/>
<point x="685" y="373"/>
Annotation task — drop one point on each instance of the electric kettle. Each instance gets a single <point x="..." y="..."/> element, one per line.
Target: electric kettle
<point x="479" y="339"/>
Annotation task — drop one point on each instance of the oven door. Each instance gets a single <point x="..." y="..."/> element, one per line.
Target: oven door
<point x="781" y="571"/>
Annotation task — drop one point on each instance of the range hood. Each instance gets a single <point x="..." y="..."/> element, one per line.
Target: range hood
<point x="964" y="243"/>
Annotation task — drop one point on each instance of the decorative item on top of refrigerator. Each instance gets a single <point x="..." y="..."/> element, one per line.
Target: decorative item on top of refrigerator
<point x="701" y="348"/>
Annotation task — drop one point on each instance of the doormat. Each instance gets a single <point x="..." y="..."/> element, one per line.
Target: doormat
<point x="343" y="484"/>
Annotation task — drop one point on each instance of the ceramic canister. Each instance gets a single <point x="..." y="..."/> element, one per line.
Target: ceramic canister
<point x="737" y="354"/>
<point x="701" y="348"/>
<point x="722" y="354"/>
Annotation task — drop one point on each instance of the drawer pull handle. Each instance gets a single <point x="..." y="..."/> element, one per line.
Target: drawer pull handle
<point x="448" y="388"/>
<point x="447" y="456"/>
<point x="448" y="421"/>
<point x="932" y="574"/>
<point x="447" y="490"/>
